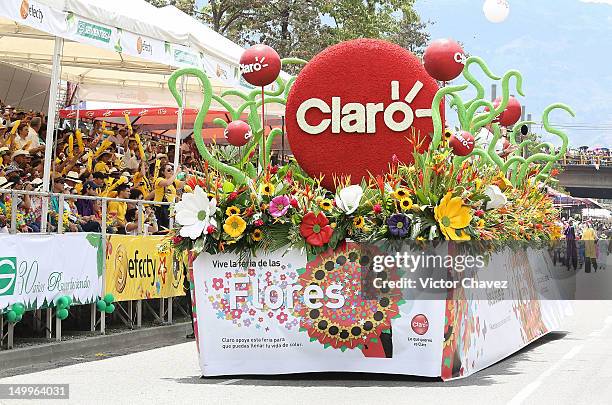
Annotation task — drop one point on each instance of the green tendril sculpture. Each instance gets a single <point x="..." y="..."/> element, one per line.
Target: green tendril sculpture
<point x="470" y="120"/>
<point x="251" y="101"/>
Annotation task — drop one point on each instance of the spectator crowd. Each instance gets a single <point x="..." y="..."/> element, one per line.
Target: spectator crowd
<point x="94" y="161"/>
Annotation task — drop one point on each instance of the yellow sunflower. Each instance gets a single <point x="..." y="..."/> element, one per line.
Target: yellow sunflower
<point x="359" y="222"/>
<point x="325" y="204"/>
<point x="502" y="181"/>
<point x="257" y="235"/>
<point x="481" y="223"/>
<point x="233" y="210"/>
<point x="406" y="204"/>
<point x="452" y="216"/>
<point x="401" y="193"/>
<point x="267" y="189"/>
<point x="234" y="226"/>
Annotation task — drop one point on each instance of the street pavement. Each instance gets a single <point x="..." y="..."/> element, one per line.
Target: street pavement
<point x="573" y="367"/>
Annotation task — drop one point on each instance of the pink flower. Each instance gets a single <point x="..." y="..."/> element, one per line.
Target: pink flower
<point x="236" y="313"/>
<point x="228" y="274"/>
<point x="251" y="272"/>
<point x="282" y="277"/>
<point x="252" y="312"/>
<point x="258" y="222"/>
<point x="270" y="314"/>
<point x="217" y="283"/>
<point x="282" y="317"/>
<point x="226" y="290"/>
<point x="279" y="206"/>
<point x="377" y="208"/>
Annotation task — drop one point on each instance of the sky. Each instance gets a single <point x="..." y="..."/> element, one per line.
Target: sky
<point x="563" y="48"/>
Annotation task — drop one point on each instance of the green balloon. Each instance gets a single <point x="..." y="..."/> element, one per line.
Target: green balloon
<point x="11" y="316"/>
<point x="109" y="299"/>
<point x="62" y="314"/>
<point x="101" y="305"/>
<point x="62" y="302"/>
<point x="69" y="298"/>
<point x="18" y="319"/>
<point x="110" y="308"/>
<point x="228" y="187"/>
<point x="180" y="176"/>
<point x="19" y="308"/>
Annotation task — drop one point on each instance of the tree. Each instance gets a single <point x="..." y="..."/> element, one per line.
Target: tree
<point x="303" y="28"/>
<point x="186" y="6"/>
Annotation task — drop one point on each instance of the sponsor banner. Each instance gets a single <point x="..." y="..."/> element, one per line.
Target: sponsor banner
<point x="283" y="313"/>
<point x="136" y="269"/>
<point x="76" y="28"/>
<point x="132" y="112"/>
<point x="34" y="14"/>
<point x="37" y="269"/>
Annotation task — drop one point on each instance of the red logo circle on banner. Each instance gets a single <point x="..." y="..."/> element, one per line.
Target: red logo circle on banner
<point x="420" y="324"/>
<point x="356" y="105"/>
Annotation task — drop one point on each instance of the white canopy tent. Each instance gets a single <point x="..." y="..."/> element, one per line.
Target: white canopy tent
<point x="115" y="51"/>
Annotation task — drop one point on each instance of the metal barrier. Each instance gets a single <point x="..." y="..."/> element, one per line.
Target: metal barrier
<point x="128" y="313"/>
<point x="586" y="160"/>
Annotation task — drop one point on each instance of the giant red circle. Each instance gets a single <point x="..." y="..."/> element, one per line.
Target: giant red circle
<point x="444" y="59"/>
<point x="359" y="71"/>
<point x="260" y="65"/>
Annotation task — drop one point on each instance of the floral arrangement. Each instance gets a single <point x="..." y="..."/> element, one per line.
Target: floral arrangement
<point x="235" y="207"/>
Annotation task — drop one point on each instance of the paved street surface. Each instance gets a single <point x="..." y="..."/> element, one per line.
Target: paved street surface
<point x="561" y="368"/>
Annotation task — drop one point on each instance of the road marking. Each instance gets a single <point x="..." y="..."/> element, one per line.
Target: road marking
<point x="523" y="394"/>
<point x="227" y="382"/>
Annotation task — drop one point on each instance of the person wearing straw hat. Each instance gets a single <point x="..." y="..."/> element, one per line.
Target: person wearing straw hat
<point x="20" y="160"/>
<point x="102" y="165"/>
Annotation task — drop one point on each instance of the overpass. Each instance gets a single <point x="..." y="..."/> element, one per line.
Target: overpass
<point x="587" y="180"/>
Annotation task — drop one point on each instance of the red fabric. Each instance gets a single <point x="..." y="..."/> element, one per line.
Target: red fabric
<point x="358" y="71"/>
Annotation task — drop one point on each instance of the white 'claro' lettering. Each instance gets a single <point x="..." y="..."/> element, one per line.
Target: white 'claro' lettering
<point x="357" y="118"/>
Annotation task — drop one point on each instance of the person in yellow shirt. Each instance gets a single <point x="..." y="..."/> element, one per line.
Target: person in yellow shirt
<point x="117" y="209"/>
<point x="165" y="191"/>
<point x="102" y="163"/>
<point x="590" y="253"/>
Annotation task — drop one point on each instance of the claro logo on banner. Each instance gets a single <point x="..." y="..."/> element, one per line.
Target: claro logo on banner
<point x="355" y="106"/>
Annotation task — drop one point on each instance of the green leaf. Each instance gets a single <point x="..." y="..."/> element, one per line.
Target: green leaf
<point x="374" y="340"/>
<point x="301" y="271"/>
<point x="312" y="339"/>
<point x="326" y="345"/>
<point x="302" y="330"/>
<point x="343" y="348"/>
<point x="447" y="362"/>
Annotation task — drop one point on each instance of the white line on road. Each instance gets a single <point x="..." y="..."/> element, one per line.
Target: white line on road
<point x="523" y="394"/>
<point x="228" y="382"/>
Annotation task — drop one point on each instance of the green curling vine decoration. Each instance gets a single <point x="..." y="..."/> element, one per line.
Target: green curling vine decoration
<point x="251" y="102"/>
<point x="516" y="166"/>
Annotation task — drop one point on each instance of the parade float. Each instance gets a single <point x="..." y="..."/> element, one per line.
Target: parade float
<point x="281" y="257"/>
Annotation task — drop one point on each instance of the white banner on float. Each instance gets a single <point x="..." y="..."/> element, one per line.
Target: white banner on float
<point x="37" y="269"/>
<point x="244" y="328"/>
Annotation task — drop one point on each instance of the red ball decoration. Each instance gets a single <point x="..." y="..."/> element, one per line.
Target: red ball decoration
<point x="260" y="65"/>
<point x="511" y="114"/>
<point x="444" y="59"/>
<point x="462" y="143"/>
<point x="238" y="133"/>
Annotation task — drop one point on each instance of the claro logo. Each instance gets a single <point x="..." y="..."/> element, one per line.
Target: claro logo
<point x="420" y="324"/>
<point x="361" y="119"/>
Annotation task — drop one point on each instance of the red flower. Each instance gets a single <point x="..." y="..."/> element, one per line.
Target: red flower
<point x="232" y="196"/>
<point x="248" y="212"/>
<point x="554" y="172"/>
<point x="294" y="203"/>
<point x="273" y="169"/>
<point x="315" y="229"/>
<point x="377" y="208"/>
<point x="217" y="283"/>
<point x="282" y="317"/>
<point x="479" y="213"/>
<point x="177" y="239"/>
<point x="258" y="222"/>
<point x="210" y="229"/>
